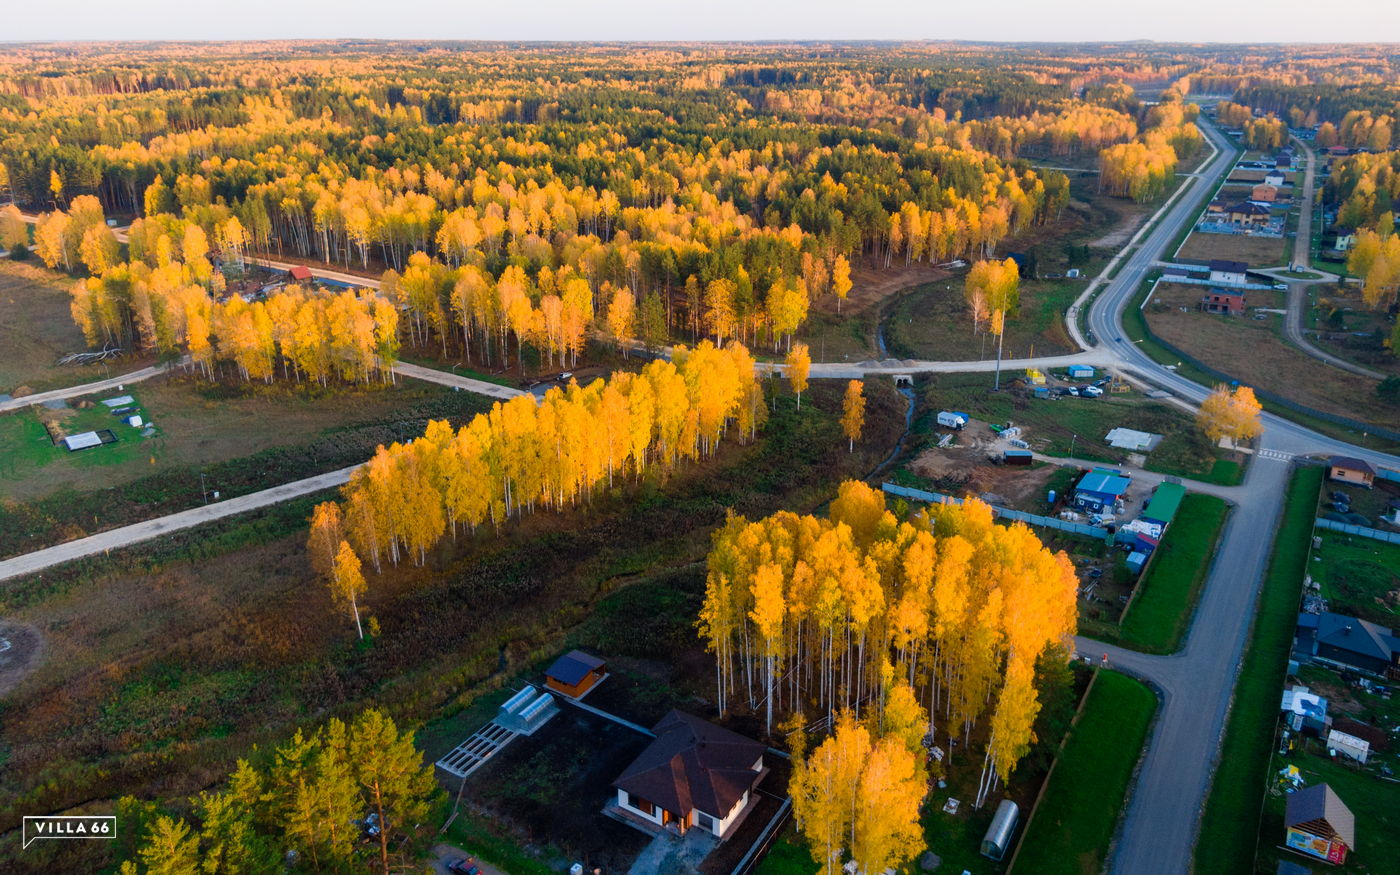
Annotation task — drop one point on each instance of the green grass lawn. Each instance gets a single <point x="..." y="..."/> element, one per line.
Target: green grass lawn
<point x="933" y="322"/>
<point x="1167" y="593"/>
<point x="788" y="855"/>
<point x="1229" y="828"/>
<point x="25" y="445"/>
<point x="478" y="837"/>
<point x="1071" y="828"/>
<point x="1374" y="803"/>
<point x="1360" y="577"/>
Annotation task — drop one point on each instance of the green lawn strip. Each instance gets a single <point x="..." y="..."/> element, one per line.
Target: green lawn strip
<point x="1230" y="825"/>
<point x="477" y="837"/>
<point x="1075" y="820"/>
<point x="788" y="855"/>
<point x="1358" y="575"/>
<point x="1167" y="593"/>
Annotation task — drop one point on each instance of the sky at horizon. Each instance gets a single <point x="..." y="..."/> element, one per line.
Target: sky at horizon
<point x="1219" y="21"/>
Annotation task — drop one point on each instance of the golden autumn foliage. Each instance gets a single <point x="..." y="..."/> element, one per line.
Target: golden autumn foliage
<point x="801" y="612"/>
<point x="1233" y="415"/>
<point x="799" y="365"/>
<point x="554" y="453"/>
<point x="853" y="412"/>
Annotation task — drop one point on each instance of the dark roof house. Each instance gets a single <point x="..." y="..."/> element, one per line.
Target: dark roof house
<point x="695" y="773"/>
<point x="1349" y="470"/>
<point x="1347" y="641"/>
<point x="1230" y="266"/>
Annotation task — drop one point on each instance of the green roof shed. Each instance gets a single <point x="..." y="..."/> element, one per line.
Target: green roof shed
<point x="1165" y="501"/>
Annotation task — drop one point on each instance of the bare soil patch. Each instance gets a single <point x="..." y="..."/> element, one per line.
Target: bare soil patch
<point x="36" y="329"/>
<point x="21" y="651"/>
<point x="1252" y="351"/>
<point x="968" y="463"/>
<point x="1131" y="216"/>
<point x="1254" y="251"/>
<point x="870" y="286"/>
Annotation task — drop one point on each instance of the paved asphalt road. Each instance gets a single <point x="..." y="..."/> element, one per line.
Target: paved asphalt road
<point x="1159" y="828"/>
<point x="1298" y="289"/>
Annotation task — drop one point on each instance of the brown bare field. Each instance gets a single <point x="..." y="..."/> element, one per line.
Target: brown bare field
<point x="36" y="329"/>
<point x="1253" y="351"/>
<point x="1254" y="251"/>
<point x="1289" y="176"/>
<point x="870" y="286"/>
<point x="1127" y="217"/>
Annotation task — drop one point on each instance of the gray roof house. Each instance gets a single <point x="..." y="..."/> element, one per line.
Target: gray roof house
<point x="1348" y="642"/>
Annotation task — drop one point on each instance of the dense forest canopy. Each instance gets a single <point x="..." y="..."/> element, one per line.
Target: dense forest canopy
<point x="721" y="188"/>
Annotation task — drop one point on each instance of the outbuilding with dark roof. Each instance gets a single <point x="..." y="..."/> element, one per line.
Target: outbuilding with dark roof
<point x="575" y="673"/>
<point x="1345" y="469"/>
<point x="1319" y="825"/>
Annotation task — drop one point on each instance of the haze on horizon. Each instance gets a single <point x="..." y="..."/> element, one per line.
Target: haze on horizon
<point x="720" y="20"/>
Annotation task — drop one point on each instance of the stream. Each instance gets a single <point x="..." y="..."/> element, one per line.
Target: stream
<point x="906" y="391"/>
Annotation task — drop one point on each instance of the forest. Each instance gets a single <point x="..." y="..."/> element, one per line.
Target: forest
<point x="676" y="213"/>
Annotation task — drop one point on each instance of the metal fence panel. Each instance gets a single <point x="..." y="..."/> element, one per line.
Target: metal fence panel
<point x="1363" y="531"/>
<point x="1005" y="513"/>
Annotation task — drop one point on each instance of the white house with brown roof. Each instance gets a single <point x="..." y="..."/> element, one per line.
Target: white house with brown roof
<point x="694" y="774"/>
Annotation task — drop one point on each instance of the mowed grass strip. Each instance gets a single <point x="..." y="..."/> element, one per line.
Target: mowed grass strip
<point x="1074" y="823"/>
<point x="1231" y="822"/>
<point x="1159" y="614"/>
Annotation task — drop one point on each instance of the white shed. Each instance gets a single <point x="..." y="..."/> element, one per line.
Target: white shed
<point x="1349" y="745"/>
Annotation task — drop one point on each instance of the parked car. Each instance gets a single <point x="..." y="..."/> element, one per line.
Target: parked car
<point x="1090" y="391"/>
<point x="1072" y="390"/>
<point x="465" y="866"/>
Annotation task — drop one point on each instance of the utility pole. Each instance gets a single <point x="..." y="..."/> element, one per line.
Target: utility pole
<point x="1072" y="439"/>
<point x="202" y="490"/>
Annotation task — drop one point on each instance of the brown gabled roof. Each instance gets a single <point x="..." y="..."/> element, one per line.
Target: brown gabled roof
<point x="1318" y="810"/>
<point x="693" y="764"/>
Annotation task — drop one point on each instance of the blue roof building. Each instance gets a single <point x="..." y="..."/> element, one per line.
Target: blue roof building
<point x="1100" y="489"/>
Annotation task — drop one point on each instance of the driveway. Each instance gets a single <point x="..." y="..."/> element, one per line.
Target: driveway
<point x="445" y="853"/>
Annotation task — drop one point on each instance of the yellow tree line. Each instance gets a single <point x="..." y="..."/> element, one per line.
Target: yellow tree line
<point x="802" y="611"/>
<point x="522" y="455"/>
